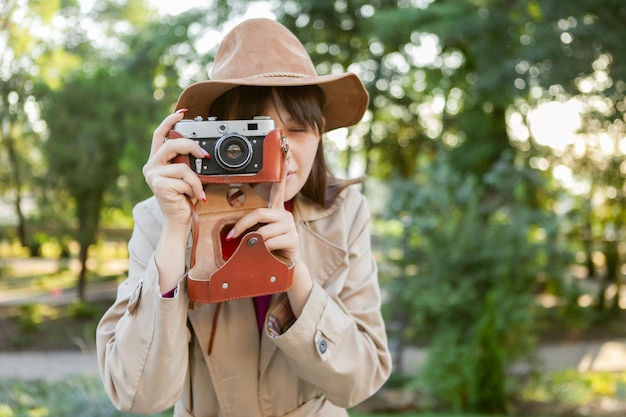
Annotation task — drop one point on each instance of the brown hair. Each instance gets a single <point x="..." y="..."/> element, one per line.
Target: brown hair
<point x="304" y="104"/>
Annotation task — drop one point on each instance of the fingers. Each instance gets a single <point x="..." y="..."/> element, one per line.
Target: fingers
<point x="161" y="132"/>
<point x="277" y="192"/>
<point x="259" y="216"/>
<point x="165" y="178"/>
<point x="277" y="236"/>
<point x="278" y="230"/>
<point x="172" y="148"/>
<point x="175" y="179"/>
<point x="164" y="151"/>
<point x="168" y="149"/>
<point x="275" y="214"/>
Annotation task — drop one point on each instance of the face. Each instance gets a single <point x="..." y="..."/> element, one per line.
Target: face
<point x="303" y="141"/>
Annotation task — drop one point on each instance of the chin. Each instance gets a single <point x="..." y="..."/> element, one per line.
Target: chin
<point x="289" y="194"/>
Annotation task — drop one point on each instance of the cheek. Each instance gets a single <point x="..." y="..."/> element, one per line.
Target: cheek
<point x="304" y="166"/>
<point x="306" y="156"/>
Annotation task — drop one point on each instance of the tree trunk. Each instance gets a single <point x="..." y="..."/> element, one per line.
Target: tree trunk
<point x="82" y="277"/>
<point x="587" y="239"/>
<point x="611" y="254"/>
<point x="17" y="181"/>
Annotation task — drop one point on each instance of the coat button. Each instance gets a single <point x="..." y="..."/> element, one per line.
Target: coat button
<point x="322" y="345"/>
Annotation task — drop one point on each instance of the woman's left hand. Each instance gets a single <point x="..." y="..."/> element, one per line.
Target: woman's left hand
<point x="278" y="226"/>
<point x="280" y="234"/>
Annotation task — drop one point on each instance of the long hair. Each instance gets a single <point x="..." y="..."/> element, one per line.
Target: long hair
<point x="304" y="104"/>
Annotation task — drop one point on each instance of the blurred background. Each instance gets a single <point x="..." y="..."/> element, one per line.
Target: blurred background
<point x="493" y="148"/>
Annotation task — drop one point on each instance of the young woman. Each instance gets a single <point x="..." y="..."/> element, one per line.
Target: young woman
<point x="314" y="350"/>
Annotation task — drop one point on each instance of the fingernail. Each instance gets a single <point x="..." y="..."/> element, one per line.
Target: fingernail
<point x="205" y="153"/>
<point x="203" y="196"/>
<point x="179" y="111"/>
<point x="230" y="234"/>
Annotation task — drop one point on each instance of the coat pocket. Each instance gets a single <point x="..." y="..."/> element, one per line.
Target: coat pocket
<point x="318" y="407"/>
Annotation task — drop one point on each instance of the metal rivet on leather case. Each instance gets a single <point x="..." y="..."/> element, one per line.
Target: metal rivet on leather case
<point x="253" y="241"/>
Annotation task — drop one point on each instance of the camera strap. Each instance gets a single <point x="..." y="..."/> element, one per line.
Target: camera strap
<point x="251" y="271"/>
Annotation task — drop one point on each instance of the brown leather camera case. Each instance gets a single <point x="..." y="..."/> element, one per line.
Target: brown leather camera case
<point x="251" y="271"/>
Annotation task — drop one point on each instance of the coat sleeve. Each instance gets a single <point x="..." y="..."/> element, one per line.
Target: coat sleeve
<point x="339" y="343"/>
<point x="142" y="340"/>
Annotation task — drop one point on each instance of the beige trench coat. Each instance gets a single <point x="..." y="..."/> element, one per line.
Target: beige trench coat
<point x="152" y="351"/>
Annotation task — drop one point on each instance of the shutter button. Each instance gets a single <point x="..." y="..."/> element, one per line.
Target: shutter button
<point x="322" y="345"/>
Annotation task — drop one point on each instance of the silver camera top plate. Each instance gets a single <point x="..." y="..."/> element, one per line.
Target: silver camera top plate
<point x="212" y="128"/>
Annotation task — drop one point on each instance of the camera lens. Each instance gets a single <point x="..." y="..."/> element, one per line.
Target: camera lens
<point x="233" y="152"/>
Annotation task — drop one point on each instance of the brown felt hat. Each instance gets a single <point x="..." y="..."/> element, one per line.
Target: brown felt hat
<point x="262" y="52"/>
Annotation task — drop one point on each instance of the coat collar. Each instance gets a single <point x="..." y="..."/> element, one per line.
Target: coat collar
<point x="306" y="210"/>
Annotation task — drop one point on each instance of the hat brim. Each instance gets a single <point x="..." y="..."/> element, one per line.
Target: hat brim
<point x="346" y="97"/>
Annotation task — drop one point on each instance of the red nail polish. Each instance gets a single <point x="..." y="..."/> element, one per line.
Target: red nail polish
<point x="179" y="111"/>
<point x="203" y="197"/>
<point x="205" y="153"/>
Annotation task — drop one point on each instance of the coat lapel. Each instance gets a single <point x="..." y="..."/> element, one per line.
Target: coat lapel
<point x="318" y="234"/>
<point x="234" y="361"/>
<point x="314" y="245"/>
<point x="268" y="347"/>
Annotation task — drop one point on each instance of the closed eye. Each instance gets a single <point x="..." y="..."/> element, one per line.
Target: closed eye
<point x="297" y="128"/>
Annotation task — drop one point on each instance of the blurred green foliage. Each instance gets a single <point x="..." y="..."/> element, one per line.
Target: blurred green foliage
<point x="572" y="389"/>
<point x="477" y="216"/>
<point x="467" y="275"/>
<point x="32" y="315"/>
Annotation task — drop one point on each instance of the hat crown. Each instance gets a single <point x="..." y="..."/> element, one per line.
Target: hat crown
<point x="261" y="48"/>
<point x="262" y="52"/>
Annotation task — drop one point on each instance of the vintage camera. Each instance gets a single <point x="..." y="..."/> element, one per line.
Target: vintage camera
<point x="242" y="151"/>
<point x="235" y="146"/>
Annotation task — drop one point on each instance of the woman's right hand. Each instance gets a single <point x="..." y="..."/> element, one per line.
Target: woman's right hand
<point x="169" y="182"/>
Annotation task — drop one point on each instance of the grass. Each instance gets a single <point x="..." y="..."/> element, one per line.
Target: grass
<point x="107" y="262"/>
<point x="85" y="397"/>
<point x="53" y="319"/>
<point x="424" y="414"/>
<point x="76" y="397"/>
<point x="572" y="389"/>
<point x="40" y="326"/>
